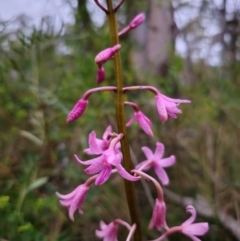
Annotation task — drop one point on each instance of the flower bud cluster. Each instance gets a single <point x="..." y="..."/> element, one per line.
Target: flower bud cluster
<point x="108" y="156"/>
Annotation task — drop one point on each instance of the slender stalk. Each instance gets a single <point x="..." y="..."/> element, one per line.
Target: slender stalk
<point x="120" y="117"/>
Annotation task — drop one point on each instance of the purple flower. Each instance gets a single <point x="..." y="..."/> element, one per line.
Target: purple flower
<point x="143" y="122"/>
<point x="103" y="164"/>
<point x="159" y="215"/>
<point x="77" y="110"/>
<point x="191" y="229"/>
<point x="106" y="54"/>
<point x="107" y="232"/>
<point x="96" y="145"/>
<point x="168" y="107"/>
<point x="137" y="20"/>
<point x="156" y="161"/>
<point x="74" y="199"/>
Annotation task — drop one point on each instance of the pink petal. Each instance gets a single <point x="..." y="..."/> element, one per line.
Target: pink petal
<point x="125" y="174"/>
<point x="161" y="108"/>
<point x="77" y="110"/>
<point x="173" y="109"/>
<point x="115" y="159"/>
<point x="148" y="153"/>
<point x="89" y="162"/>
<point x="103" y="225"/>
<point x="177" y="101"/>
<point x="192" y="218"/>
<point x="99" y="233"/>
<point x="88" y="151"/>
<point x="198" y="229"/>
<point x="68" y="196"/>
<point x="93" y="145"/>
<point x="103" y="175"/>
<point x="172" y="115"/>
<point x="144" y="123"/>
<point x="108" y="233"/>
<point x="167" y="162"/>
<point x="130" y="121"/>
<point x="65" y="203"/>
<point x="143" y="163"/>
<point x="94" y="168"/>
<point x="161" y="173"/>
<point x="107" y="132"/>
<point x="159" y="151"/>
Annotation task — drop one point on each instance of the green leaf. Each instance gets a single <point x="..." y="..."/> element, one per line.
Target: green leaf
<point x="3" y="201"/>
<point x="24" y="227"/>
<point x="37" y="183"/>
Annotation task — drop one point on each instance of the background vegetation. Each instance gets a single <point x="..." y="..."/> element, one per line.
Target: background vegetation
<point x="43" y="74"/>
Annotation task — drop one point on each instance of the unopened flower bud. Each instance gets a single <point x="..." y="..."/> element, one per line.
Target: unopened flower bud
<point x="77" y="110"/>
<point x="137" y="20"/>
<point x="100" y="75"/>
<point x="106" y="54"/>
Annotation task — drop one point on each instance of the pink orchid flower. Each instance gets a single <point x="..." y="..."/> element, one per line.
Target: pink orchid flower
<point x="143" y="122"/>
<point x="158" y="219"/>
<point x="96" y="145"/>
<point x="191" y="229"/>
<point x="156" y="161"/>
<point x="107" y="232"/>
<point x="168" y="107"/>
<point x="103" y="164"/>
<point x="74" y="200"/>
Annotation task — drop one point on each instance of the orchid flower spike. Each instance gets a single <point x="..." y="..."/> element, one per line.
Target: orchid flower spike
<point x="77" y="110"/>
<point x="191" y="229"/>
<point x="158" y="219"/>
<point x="156" y="161"/>
<point x="74" y="200"/>
<point x="168" y="107"/>
<point x="103" y="164"/>
<point x="108" y="232"/>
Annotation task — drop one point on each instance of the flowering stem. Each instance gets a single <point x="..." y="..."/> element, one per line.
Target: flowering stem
<point x="168" y="232"/>
<point x="100" y="6"/>
<point x="145" y="87"/>
<point x="119" y="5"/>
<point x="91" y="91"/>
<point x="156" y="184"/>
<point x="123" y="223"/>
<point x="133" y="228"/>
<point x="134" y="106"/>
<point x="120" y="117"/>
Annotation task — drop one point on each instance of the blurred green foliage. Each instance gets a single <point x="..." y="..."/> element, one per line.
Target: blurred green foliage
<point x="43" y="74"/>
